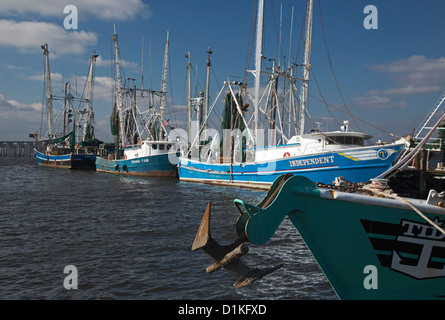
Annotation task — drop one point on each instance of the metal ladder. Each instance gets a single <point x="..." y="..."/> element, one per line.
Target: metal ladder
<point x="430" y="115"/>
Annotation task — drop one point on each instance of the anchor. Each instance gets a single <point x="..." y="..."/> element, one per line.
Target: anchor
<point x="227" y="257"/>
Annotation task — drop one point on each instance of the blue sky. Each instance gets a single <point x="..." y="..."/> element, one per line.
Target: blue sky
<point x="390" y="77"/>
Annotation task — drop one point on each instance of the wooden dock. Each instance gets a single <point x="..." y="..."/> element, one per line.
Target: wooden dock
<point x="418" y="180"/>
<point x="416" y="183"/>
<point x="16" y="148"/>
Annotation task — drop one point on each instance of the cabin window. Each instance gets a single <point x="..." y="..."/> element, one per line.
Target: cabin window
<point x="154" y="146"/>
<point x="161" y="147"/>
<point x="348" y="140"/>
<point x="169" y="146"/>
<point x="359" y="141"/>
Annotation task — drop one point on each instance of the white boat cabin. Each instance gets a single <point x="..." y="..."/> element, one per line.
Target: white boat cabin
<point x="316" y="142"/>
<point x="148" y="148"/>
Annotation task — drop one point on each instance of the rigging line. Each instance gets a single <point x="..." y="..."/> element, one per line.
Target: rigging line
<point x="198" y="84"/>
<point x="300" y="46"/>
<point x="219" y="86"/>
<point x="331" y="65"/>
<point x="250" y="41"/>
<point x="274" y="21"/>
<point x="324" y="100"/>
<point x="394" y="196"/>
<point x="357" y="118"/>
<point x="214" y="75"/>
<point x="171" y="93"/>
<point x="312" y="94"/>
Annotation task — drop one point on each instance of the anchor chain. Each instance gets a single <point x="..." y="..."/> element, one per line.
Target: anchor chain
<point x="374" y="187"/>
<point x="341" y="184"/>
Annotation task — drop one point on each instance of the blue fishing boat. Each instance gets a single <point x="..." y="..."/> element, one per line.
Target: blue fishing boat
<point x="323" y="163"/>
<point x="150" y="159"/>
<point x="141" y="146"/>
<point x="237" y="155"/>
<point x="70" y="143"/>
<point x="60" y="157"/>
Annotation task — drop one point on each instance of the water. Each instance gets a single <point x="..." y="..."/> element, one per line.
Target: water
<point x="130" y="238"/>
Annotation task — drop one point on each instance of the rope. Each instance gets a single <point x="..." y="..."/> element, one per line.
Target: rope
<point x="331" y="65"/>
<point x="408" y="203"/>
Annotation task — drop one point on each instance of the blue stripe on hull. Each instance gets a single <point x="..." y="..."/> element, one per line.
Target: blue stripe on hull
<point x="66" y="161"/>
<point x="322" y="168"/>
<point x="151" y="166"/>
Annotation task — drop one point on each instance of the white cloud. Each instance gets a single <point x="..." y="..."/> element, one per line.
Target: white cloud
<point x="18" y="119"/>
<point x="29" y="36"/>
<point x="39" y="77"/>
<point x="102" y="85"/>
<point x="414" y="75"/>
<point x="102" y="88"/>
<point x="412" y="89"/>
<point x="378" y="102"/>
<point x="126" y="64"/>
<point x="102" y="9"/>
<point x="12" y="106"/>
<point x="416" y="64"/>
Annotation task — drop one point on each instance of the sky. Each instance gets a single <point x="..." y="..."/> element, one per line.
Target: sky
<point x="389" y="77"/>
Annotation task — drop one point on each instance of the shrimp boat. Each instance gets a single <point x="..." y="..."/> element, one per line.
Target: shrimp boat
<point x="71" y="142"/>
<point x="370" y="242"/>
<point x="141" y="146"/>
<point x="239" y="157"/>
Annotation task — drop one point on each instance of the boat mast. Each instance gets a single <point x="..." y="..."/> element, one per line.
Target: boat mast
<point x="118" y="89"/>
<point x="258" y="57"/>
<point x="189" y="100"/>
<point x="164" y="80"/>
<point x="306" y="65"/>
<point x="88" y="123"/>
<point x="64" y="109"/>
<point x="142" y="66"/>
<point x="49" y="98"/>
<point x="206" y="103"/>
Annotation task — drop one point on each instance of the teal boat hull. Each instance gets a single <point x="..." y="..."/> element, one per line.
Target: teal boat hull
<point x="368" y="247"/>
<point x="148" y="166"/>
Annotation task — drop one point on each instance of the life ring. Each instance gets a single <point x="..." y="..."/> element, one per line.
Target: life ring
<point x="286" y="154"/>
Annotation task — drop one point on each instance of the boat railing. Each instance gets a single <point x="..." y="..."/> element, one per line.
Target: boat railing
<point x="432" y="144"/>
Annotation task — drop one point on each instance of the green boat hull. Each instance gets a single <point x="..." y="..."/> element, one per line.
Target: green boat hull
<point x="368" y="247"/>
